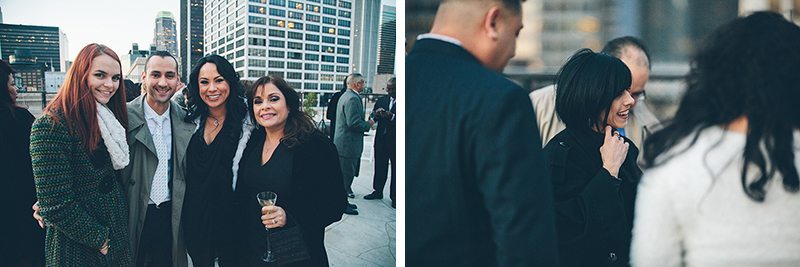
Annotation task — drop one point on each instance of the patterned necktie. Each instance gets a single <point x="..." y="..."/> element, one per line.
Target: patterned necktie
<point x="160" y="190"/>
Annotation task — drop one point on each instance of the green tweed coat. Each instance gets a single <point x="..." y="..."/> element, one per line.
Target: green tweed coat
<point x="80" y="198"/>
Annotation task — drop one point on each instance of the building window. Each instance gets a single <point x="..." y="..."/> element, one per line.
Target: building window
<point x="312" y="8"/>
<point x="326" y="29"/>
<point x="277" y="22"/>
<point x="295" y="15"/>
<point x="342" y="69"/>
<point x="239" y="33"/>
<point x="327" y="59"/>
<point x="276" y="53"/>
<point x="313" y="18"/>
<point x="296" y="5"/>
<point x="312" y="47"/>
<point x="294" y="65"/>
<point x="343" y="32"/>
<point x="312" y="66"/>
<point x="240" y="53"/>
<point x="294" y="75"/>
<point x="329" y="2"/>
<point x="294" y="55"/>
<point x="277" y="2"/>
<point x="328" y="39"/>
<point x="275" y="64"/>
<point x="258" y="52"/>
<point x="252" y="1"/>
<point x="257" y="63"/>
<point x="312" y="57"/>
<point x="344" y="23"/>
<point x="312" y="27"/>
<point x="255" y="73"/>
<point x="258" y="31"/>
<point x="294" y="25"/>
<point x="343" y="51"/>
<point x="258" y="9"/>
<point x="329" y="20"/>
<point x="296" y="35"/>
<point x="294" y="45"/>
<point x="342" y="60"/>
<point x="277" y="12"/>
<point x="326" y="86"/>
<point x="345" y="4"/>
<point x="277" y="43"/>
<point x="344" y="41"/>
<point x="344" y="14"/>
<point x="276" y="73"/>
<point x="295" y="85"/>
<point x="327" y="49"/>
<point x="258" y="20"/>
<point x="239" y="63"/>
<point x="310" y="86"/>
<point x="239" y="43"/>
<point x="312" y="37"/>
<point x="329" y="11"/>
<point x="327" y="68"/>
<point x="277" y="33"/>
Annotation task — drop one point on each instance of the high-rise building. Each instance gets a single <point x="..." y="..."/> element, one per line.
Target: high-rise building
<point x="133" y="62"/>
<point x="31" y="71"/>
<point x="307" y="42"/>
<point x="366" y="23"/>
<point x="164" y="35"/>
<point x="191" y="35"/>
<point x="43" y="42"/>
<point x="387" y="41"/>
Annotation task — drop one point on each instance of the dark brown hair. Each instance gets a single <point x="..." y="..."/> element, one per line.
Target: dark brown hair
<point x="299" y="125"/>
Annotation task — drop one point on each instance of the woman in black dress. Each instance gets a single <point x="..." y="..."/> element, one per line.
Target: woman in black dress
<point x="594" y="169"/>
<point x="290" y="157"/>
<point x="212" y="161"/>
<point x="23" y="241"/>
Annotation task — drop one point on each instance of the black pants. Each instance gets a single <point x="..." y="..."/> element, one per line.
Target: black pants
<point x="384" y="152"/>
<point x="155" y="242"/>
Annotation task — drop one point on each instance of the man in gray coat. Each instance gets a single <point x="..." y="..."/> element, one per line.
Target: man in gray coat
<point x="158" y="138"/>
<point x="349" y="135"/>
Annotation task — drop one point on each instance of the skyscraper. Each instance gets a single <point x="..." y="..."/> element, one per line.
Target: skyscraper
<point x="191" y="34"/>
<point x="43" y="42"/>
<point x="164" y="34"/>
<point x="366" y="23"/>
<point x="387" y="40"/>
<point x="305" y="42"/>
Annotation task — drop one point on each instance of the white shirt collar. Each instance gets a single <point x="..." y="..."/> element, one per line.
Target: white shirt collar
<point x="439" y="37"/>
<point x="149" y="113"/>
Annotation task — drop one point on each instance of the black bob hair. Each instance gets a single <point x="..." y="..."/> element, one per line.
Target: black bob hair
<point x="585" y="87"/>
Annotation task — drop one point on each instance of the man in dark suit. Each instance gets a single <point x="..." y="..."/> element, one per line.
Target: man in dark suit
<point x="384" y="144"/>
<point x="479" y="192"/>
<point x="331" y="113"/>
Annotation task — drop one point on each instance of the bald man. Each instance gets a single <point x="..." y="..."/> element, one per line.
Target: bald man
<point x="479" y="192"/>
<point x="634" y="54"/>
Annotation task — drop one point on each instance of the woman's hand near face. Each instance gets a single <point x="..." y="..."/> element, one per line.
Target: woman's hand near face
<point x="613" y="152"/>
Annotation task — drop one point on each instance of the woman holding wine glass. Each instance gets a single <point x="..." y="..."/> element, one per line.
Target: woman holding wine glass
<point x="212" y="159"/>
<point x="290" y="157"/>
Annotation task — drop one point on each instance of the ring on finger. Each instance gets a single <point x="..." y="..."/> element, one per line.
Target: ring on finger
<point x="273" y="221"/>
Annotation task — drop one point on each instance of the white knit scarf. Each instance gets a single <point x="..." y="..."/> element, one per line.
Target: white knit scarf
<point x="113" y="136"/>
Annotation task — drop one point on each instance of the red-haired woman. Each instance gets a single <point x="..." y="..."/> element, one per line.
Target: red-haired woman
<point x="77" y="147"/>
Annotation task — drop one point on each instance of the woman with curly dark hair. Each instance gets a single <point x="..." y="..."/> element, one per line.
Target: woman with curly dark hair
<point x="289" y="156"/>
<point x="722" y="181"/>
<point x="212" y="160"/>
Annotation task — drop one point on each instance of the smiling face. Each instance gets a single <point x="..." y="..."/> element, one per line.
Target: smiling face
<point x="214" y="89"/>
<point x="160" y="80"/>
<point x="620" y="109"/>
<point x="104" y="78"/>
<point x="270" y="108"/>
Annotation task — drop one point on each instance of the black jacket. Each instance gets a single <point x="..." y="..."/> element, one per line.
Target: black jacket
<point x="478" y="190"/>
<point x="386" y="131"/>
<point x="594" y="211"/>
<point x="331" y="113"/>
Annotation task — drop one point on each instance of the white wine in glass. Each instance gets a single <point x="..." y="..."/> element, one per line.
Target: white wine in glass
<point x="267" y="198"/>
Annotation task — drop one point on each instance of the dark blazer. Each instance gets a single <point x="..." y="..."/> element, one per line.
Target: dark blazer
<point x="22" y="239"/>
<point x="594" y="211"/>
<point x="331" y="113"/>
<point x="477" y="182"/>
<point x="386" y="130"/>
<point x="318" y="195"/>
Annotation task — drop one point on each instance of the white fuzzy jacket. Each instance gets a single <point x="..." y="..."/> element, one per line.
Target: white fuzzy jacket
<point x="692" y="210"/>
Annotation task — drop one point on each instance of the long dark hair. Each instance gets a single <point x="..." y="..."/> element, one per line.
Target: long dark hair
<point x="587" y="85"/>
<point x="235" y="106"/>
<point x="748" y="68"/>
<point x="6" y="102"/>
<point x="299" y="125"/>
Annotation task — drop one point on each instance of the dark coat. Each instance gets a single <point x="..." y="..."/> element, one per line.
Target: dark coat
<point x="22" y="239"/>
<point x="331" y="113"/>
<point x="386" y="130"/>
<point x="318" y="196"/>
<point x="594" y="211"/>
<point x="477" y="182"/>
<point x="80" y="197"/>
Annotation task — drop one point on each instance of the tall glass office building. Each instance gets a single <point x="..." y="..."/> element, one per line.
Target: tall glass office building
<point x="307" y="42"/>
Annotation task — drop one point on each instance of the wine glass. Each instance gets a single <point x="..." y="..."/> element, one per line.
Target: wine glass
<point x="267" y="198"/>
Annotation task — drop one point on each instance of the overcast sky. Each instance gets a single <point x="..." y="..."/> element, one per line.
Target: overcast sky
<point x="114" y="23"/>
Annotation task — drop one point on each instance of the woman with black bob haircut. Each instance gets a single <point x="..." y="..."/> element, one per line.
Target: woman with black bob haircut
<point x="722" y="178"/>
<point x="212" y="160"/>
<point x="289" y="156"/>
<point x="593" y="167"/>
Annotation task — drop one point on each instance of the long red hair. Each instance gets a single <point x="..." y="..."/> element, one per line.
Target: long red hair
<point x="76" y="102"/>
